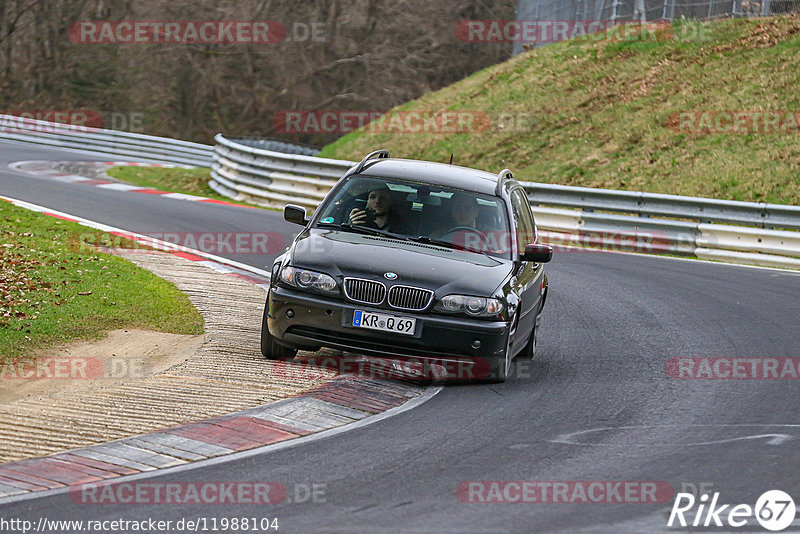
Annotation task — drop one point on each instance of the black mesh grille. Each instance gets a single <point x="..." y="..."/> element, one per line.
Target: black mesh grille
<point x="366" y="291"/>
<point x="409" y="298"/>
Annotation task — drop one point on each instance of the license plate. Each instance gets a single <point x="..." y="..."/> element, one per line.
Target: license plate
<point x="384" y="323"/>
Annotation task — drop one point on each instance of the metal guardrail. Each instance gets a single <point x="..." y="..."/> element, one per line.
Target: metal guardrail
<point x="643" y="204"/>
<point x="245" y="170"/>
<point x="272" y="178"/>
<point x="276" y="145"/>
<point x="106" y="142"/>
<point x="643" y="222"/>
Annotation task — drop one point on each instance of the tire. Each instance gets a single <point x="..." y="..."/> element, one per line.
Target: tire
<point x="270" y="348"/>
<point x="529" y="352"/>
<point x="500" y="367"/>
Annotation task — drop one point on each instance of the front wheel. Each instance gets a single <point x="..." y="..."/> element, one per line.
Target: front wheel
<point x="270" y="348"/>
<point x="529" y="352"/>
<point x="500" y="368"/>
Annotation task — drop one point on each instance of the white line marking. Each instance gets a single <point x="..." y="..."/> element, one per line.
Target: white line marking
<point x="157" y="243"/>
<point x="120" y="187"/>
<point x="777" y="439"/>
<point x="184" y="196"/>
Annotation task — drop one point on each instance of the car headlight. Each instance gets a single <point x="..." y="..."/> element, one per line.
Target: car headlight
<point x="474" y="306"/>
<point x="305" y="279"/>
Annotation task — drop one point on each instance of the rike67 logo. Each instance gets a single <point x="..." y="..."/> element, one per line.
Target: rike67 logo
<point x="774" y="510"/>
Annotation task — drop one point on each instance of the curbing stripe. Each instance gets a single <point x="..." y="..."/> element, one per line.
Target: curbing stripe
<point x="424" y="395"/>
<point x="249" y="429"/>
<point x="150" y="192"/>
<point x="340" y="402"/>
<point x="253" y="427"/>
<point x="188" y="256"/>
<point x="19" y="484"/>
<point x="30" y="479"/>
<point x="236" y="438"/>
<point x="10" y="490"/>
<point x="222" y="202"/>
<point x="122" y="449"/>
<point x="98" y="183"/>
<point x="163" y="449"/>
<point x="44" y="169"/>
<point x="120" y="187"/>
<point x="97" y="464"/>
<point x="284" y="428"/>
<point x="183" y="196"/>
<point x="57" y="463"/>
<point x="184" y="444"/>
<point x="95" y="454"/>
<point x="63" y="218"/>
<point x="306" y="413"/>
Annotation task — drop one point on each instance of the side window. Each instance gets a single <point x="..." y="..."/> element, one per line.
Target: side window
<point x="525" y="228"/>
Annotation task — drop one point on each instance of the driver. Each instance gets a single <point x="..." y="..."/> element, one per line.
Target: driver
<point x="463" y="215"/>
<point x="379" y="213"/>
<point x="464" y="210"/>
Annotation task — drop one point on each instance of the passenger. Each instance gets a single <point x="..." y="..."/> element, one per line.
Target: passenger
<point x="379" y="213"/>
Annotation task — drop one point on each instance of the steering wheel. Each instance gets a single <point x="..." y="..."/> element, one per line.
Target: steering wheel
<point x="448" y="235"/>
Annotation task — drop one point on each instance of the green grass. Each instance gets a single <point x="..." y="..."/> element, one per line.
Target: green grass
<point x="55" y="289"/>
<point x="598" y="114"/>
<point x="173" y="180"/>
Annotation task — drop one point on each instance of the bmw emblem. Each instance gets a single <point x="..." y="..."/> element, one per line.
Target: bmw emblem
<point x="390" y="276"/>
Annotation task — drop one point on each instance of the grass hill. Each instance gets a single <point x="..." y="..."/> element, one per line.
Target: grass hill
<point x="654" y="113"/>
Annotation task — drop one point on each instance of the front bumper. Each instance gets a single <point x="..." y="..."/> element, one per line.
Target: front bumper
<point x="320" y="321"/>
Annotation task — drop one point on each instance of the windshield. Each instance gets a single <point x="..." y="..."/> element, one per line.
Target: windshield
<point x="426" y="213"/>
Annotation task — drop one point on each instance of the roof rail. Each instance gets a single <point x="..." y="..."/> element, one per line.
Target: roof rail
<point x="378" y="154"/>
<point x="500" y="177"/>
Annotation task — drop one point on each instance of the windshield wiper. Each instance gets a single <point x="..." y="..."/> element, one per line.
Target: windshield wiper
<point x="357" y="228"/>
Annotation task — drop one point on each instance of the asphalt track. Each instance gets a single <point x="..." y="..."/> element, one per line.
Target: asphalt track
<point x="612" y="323"/>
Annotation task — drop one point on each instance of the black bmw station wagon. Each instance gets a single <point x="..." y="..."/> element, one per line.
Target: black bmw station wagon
<point x="415" y="260"/>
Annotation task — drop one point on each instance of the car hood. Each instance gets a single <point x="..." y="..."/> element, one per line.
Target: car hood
<point x="445" y="271"/>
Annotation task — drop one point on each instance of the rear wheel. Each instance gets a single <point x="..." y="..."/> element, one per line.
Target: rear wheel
<point x="270" y="348"/>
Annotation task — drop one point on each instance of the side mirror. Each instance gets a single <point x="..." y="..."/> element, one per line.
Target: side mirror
<point x="537" y="253"/>
<point x="295" y="214"/>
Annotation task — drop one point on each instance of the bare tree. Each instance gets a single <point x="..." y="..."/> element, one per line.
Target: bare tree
<point x="365" y="55"/>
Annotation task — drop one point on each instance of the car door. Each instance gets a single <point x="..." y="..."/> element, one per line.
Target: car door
<point x="529" y="274"/>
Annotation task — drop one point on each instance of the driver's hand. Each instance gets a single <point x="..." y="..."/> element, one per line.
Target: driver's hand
<point x="358" y="216"/>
